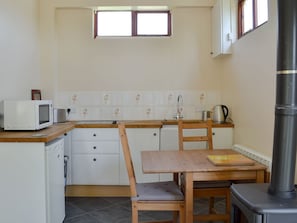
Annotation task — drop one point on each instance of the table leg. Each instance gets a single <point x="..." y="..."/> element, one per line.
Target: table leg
<point x="188" y="197"/>
<point x="260" y="176"/>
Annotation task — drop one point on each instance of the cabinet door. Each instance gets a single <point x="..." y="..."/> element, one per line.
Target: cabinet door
<point x="23" y="185"/>
<point x="95" y="169"/>
<point x="95" y="156"/>
<point x="140" y="139"/>
<point x="55" y="181"/>
<point x="221" y="28"/>
<point x="222" y="138"/>
<point x="67" y="152"/>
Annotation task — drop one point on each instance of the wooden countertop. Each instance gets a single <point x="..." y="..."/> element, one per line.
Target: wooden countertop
<point x="144" y="124"/>
<point x="57" y="130"/>
<point x="214" y="124"/>
<point x="129" y="124"/>
<point x="44" y="135"/>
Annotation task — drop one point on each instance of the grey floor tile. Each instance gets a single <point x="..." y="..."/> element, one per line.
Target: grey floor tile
<point x="113" y="213"/>
<point x="118" y="210"/>
<point x="84" y="218"/>
<point x="90" y="203"/>
<point x="73" y="211"/>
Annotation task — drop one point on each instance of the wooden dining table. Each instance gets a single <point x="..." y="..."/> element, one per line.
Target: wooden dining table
<point x="196" y="166"/>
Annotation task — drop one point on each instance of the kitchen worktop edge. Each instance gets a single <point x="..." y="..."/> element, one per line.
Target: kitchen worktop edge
<point x="59" y="129"/>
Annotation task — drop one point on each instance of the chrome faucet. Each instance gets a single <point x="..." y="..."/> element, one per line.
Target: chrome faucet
<point x="179" y="107"/>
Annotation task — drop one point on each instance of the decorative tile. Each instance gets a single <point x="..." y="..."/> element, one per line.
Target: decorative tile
<point x="136" y="105"/>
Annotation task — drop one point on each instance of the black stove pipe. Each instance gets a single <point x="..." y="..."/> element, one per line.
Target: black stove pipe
<point x="285" y="126"/>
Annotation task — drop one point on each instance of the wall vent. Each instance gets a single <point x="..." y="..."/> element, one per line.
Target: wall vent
<point x="252" y="154"/>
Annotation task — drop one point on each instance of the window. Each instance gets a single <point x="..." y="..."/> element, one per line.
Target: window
<point x="251" y="14"/>
<point x="132" y="23"/>
<point x="114" y="23"/>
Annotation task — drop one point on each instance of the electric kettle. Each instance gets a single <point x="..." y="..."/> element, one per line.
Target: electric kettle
<point x="220" y="113"/>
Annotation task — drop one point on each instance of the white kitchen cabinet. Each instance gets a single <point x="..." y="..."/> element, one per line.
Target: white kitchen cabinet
<point x="221" y="28"/>
<point x="31" y="182"/>
<point x="95" y="156"/>
<point x="55" y="181"/>
<point x="140" y="139"/>
<point x="222" y="138"/>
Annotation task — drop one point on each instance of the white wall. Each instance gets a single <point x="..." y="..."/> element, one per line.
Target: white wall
<point x="249" y="85"/>
<point x="178" y="62"/>
<point x="19" y="48"/>
<point x="73" y="62"/>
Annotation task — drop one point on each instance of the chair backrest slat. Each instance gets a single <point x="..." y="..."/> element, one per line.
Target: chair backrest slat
<point x="128" y="159"/>
<point x="207" y="137"/>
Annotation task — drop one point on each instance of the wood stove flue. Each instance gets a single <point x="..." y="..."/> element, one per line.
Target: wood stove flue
<point x="285" y="126"/>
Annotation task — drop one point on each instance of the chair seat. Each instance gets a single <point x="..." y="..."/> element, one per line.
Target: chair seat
<point x="161" y="191"/>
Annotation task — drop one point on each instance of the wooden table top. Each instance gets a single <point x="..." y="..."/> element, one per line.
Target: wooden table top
<point x="189" y="161"/>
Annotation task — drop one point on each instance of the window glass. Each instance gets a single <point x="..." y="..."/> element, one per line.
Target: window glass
<point x="247" y="15"/>
<point x="262" y="12"/>
<point x="132" y="23"/>
<point x="251" y="14"/>
<point x="116" y="23"/>
<point x="152" y="23"/>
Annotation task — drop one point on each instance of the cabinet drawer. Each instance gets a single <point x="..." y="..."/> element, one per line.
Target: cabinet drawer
<point x="95" y="169"/>
<point x="95" y="134"/>
<point x="104" y="147"/>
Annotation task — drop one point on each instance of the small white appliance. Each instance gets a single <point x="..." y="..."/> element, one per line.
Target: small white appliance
<point x="26" y="114"/>
<point x="60" y="115"/>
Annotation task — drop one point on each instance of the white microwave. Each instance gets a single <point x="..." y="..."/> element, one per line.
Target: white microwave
<point x="26" y="114"/>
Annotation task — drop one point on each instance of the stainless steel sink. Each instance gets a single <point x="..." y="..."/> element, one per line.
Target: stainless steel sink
<point x="97" y="122"/>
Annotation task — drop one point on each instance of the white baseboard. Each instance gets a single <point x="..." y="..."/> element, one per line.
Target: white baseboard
<point x="252" y="154"/>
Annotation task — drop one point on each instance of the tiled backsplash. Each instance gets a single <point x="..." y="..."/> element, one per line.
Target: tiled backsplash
<point x="135" y="105"/>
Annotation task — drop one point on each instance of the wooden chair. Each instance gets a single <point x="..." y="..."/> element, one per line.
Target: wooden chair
<point x="202" y="132"/>
<point x="158" y="196"/>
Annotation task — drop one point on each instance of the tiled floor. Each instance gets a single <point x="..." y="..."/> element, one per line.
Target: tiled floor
<point x="115" y="210"/>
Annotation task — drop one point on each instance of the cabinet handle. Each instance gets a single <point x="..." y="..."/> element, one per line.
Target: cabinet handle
<point x="94" y="134"/>
<point x="213" y="134"/>
<point x="155" y="134"/>
<point x="94" y="147"/>
<point x="94" y="159"/>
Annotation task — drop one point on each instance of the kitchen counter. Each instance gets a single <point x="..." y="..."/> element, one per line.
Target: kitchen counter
<point x="215" y="125"/>
<point x="142" y="123"/>
<point x="44" y="135"/>
<point x="113" y="124"/>
<point x="56" y="130"/>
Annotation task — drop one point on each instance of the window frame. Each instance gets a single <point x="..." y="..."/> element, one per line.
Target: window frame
<point x="134" y="14"/>
<point x="240" y="15"/>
